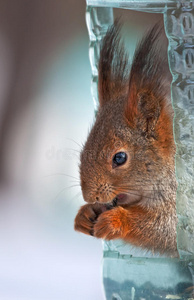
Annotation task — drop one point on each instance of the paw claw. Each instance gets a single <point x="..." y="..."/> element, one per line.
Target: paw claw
<point x="86" y="218"/>
<point x="92" y="232"/>
<point x="92" y="220"/>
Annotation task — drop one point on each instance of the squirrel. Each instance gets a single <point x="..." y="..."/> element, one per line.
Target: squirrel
<point x="127" y="167"/>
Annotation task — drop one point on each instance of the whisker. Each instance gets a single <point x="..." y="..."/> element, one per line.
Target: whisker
<point x="62" y="174"/>
<point x="135" y="185"/>
<point x="77" y="195"/>
<point x="75" y="181"/>
<point x="74" y="142"/>
<point x="114" y="193"/>
<point x="153" y="193"/>
<point x="132" y="193"/>
<point x="68" y="187"/>
<point x="146" y="190"/>
<point x="71" y="149"/>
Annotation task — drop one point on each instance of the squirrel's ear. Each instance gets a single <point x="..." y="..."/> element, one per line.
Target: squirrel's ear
<point x="113" y="66"/>
<point x="143" y="111"/>
<point x="148" y="83"/>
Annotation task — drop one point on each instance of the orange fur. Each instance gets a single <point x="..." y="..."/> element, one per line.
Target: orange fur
<point x="135" y="117"/>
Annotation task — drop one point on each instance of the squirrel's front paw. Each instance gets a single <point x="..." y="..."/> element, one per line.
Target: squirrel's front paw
<point x="87" y="216"/>
<point x="111" y="224"/>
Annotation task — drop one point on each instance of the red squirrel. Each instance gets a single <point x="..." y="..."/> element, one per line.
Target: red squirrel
<point x="127" y="171"/>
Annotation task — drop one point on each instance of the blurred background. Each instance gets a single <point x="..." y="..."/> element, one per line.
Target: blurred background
<point x="46" y="111"/>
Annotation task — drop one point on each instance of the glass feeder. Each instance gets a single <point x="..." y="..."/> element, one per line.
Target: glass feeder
<point x="127" y="272"/>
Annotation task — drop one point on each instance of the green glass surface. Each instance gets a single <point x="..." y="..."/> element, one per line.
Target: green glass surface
<point x="127" y="272"/>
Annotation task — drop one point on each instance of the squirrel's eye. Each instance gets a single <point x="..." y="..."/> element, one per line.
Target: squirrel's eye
<point x="119" y="159"/>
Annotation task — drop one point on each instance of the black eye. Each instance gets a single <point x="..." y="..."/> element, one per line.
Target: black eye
<point x="119" y="159"/>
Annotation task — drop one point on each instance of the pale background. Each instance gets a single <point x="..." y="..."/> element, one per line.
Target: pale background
<point x="46" y="111"/>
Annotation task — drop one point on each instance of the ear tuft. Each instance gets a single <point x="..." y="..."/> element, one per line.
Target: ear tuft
<point x="113" y="66"/>
<point x="149" y="82"/>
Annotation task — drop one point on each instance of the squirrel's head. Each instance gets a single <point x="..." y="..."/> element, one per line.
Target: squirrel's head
<point x="129" y="153"/>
